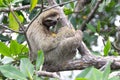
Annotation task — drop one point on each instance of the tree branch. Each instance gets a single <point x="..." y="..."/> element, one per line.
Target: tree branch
<point x="4" y="26"/>
<point x="91" y="14"/>
<point x="20" y="8"/>
<point x="79" y="6"/>
<point x="83" y="63"/>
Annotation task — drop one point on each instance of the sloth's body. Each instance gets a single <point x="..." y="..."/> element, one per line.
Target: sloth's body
<point x="58" y="48"/>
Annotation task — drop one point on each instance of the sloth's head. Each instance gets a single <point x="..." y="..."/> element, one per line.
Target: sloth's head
<point x="51" y="18"/>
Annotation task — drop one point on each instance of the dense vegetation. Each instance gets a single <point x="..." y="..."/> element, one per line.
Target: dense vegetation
<point x="14" y="60"/>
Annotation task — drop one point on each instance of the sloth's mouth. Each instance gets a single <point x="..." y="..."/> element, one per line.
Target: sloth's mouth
<point x="50" y="24"/>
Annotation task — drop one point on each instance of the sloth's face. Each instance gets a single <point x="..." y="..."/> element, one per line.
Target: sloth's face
<point x="51" y="20"/>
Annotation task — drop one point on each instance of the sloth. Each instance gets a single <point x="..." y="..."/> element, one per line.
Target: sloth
<point x="58" y="47"/>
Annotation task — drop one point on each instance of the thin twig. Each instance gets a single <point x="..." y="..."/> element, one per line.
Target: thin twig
<point x="79" y="7"/>
<point x="28" y="6"/>
<point x="91" y="14"/>
<point x="4" y="26"/>
<point x="60" y="4"/>
<point x="48" y="74"/>
<point x="42" y="5"/>
<point x="20" y="8"/>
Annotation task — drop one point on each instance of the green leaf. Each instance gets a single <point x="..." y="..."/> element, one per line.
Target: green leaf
<point x="4" y="38"/>
<point x="73" y="21"/>
<point x="7" y="2"/>
<point x="35" y="77"/>
<point x="16" y="1"/>
<point x="40" y="59"/>
<point x="23" y="48"/>
<point x="91" y="74"/>
<point x="84" y="72"/>
<point x="67" y="11"/>
<point x="115" y="78"/>
<point x="91" y="27"/>
<point x="106" y="71"/>
<point x="26" y="67"/>
<point x="4" y="50"/>
<point x="11" y="72"/>
<point x="115" y="53"/>
<point x="107" y="47"/>
<point x="33" y="4"/>
<point x="13" y="23"/>
<point x="81" y="79"/>
<point x="98" y="26"/>
<point x="20" y="38"/>
<point x="102" y="6"/>
<point x="72" y="5"/>
<point x="2" y="4"/>
<point x="94" y="74"/>
<point x="26" y="2"/>
<point x="110" y="5"/>
<point x="14" y="47"/>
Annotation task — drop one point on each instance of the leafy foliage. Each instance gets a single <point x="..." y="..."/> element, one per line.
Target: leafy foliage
<point x="15" y="50"/>
<point x="92" y="73"/>
<point x="91" y="27"/>
<point x="101" y="24"/>
<point x="13" y="23"/>
<point x="40" y="59"/>
<point x="107" y="47"/>
<point x="4" y="38"/>
<point x="4" y="50"/>
<point x="33" y="4"/>
<point x="11" y="72"/>
<point x="26" y="71"/>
